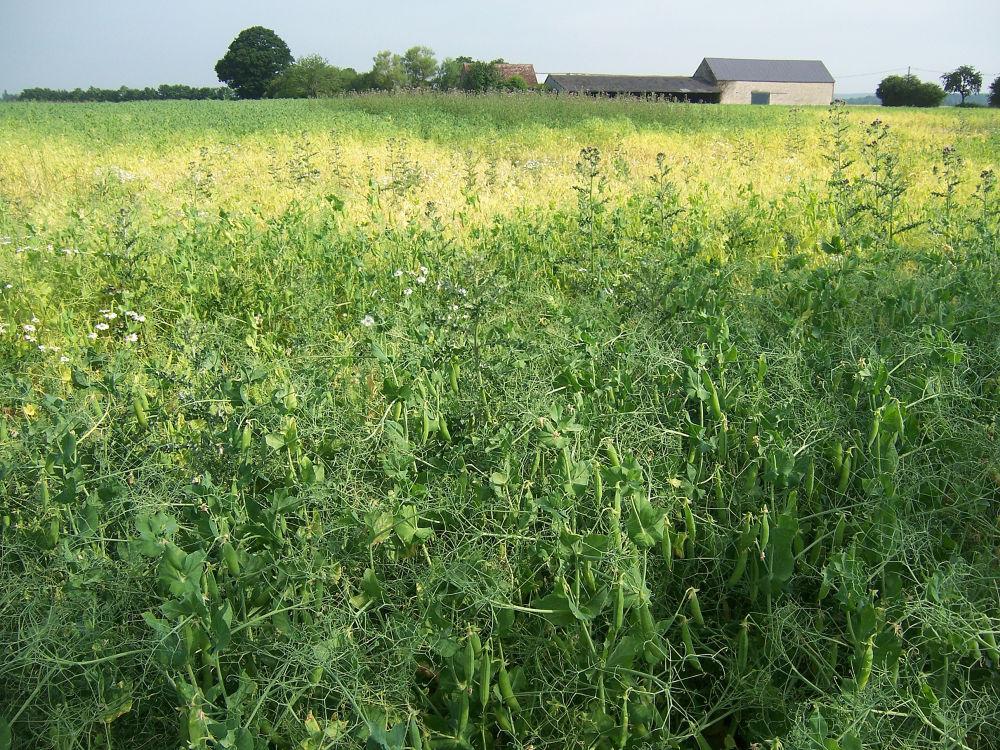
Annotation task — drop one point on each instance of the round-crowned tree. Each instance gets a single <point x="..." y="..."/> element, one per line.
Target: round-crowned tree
<point x="252" y="61"/>
<point x="995" y="93"/>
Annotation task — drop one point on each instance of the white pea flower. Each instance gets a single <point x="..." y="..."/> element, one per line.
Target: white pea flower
<point x="368" y="321"/>
<point x="421" y="279"/>
<point x="92" y="336"/>
<point x="29" y="337"/>
<point x="102" y="326"/>
<point x="64" y="359"/>
<point x="110" y="315"/>
<point x="407" y="292"/>
<point x="132" y="338"/>
<point x="397" y="273"/>
<point x="28" y="328"/>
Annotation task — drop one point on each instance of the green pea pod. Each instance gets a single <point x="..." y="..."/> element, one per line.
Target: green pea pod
<point x="689" y="524"/>
<point x="739" y="569"/>
<point x="619" y="605"/>
<point x="845" y="474"/>
<point x="742" y="647"/>
<point x="609" y="448"/>
<point x="865" y="665"/>
<point x="689" y="652"/>
<point x="810" y="479"/>
<point x="416" y="740"/>
<point x="765" y="530"/>
<point x="713" y="394"/>
<point x="695" y="607"/>
<point x="463" y="713"/>
<point x="453" y="375"/>
<point x="623" y="723"/>
<point x="667" y="545"/>
<point x="485" y="678"/>
<point x="231" y="559"/>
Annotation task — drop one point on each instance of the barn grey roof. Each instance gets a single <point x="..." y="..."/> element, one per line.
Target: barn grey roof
<point x="615" y="84"/>
<point x="785" y="71"/>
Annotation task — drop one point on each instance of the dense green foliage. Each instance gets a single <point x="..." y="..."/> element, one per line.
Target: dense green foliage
<point x="909" y="91"/>
<point x="964" y="80"/>
<point x="164" y="92"/>
<point x="310" y="77"/>
<point x="254" y="59"/>
<point x="995" y="92"/>
<point x="658" y="451"/>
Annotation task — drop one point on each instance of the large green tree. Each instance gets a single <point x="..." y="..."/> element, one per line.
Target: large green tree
<point x="420" y="65"/>
<point x="253" y="60"/>
<point x="963" y="80"/>
<point x="310" y="77"/>
<point x="995" y="93"/>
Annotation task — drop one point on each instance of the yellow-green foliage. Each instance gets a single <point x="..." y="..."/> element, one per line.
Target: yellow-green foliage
<point x="498" y="422"/>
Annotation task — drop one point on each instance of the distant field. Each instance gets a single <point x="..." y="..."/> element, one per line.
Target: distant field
<point x="498" y="422"/>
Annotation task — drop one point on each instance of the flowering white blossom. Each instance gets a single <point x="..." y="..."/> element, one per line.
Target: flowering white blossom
<point x="423" y="270"/>
<point x="407" y="292"/>
<point x="421" y="279"/>
<point x="132" y="338"/>
<point x="462" y="291"/>
<point x="8" y="286"/>
<point x="397" y="273"/>
<point x="29" y="337"/>
<point x="368" y="321"/>
<point x="35" y="320"/>
<point x="68" y="251"/>
<point x="102" y="326"/>
<point x="64" y="359"/>
<point x="92" y="335"/>
<point x="110" y="315"/>
<point x="28" y="328"/>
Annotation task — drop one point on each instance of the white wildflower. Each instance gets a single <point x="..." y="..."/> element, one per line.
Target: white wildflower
<point x="29" y="337"/>
<point x="28" y="328"/>
<point x="92" y="336"/>
<point x="102" y="326"/>
<point x="423" y="270"/>
<point x="368" y="321"/>
<point x="407" y="292"/>
<point x="421" y="279"/>
<point x="35" y="320"/>
<point x="398" y="272"/>
<point x="64" y="359"/>
<point x="110" y="315"/>
<point x="462" y="291"/>
<point x="131" y="338"/>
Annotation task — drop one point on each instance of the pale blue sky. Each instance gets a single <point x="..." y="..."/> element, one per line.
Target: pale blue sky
<point x="69" y="43"/>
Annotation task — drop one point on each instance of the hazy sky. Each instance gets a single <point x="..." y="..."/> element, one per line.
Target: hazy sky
<point x="108" y="43"/>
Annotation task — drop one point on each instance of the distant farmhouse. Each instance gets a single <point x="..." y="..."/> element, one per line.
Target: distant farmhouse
<point x="721" y="80"/>
<point x="511" y="70"/>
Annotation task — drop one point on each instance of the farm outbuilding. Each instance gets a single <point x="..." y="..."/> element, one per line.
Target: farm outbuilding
<point x="722" y="80"/>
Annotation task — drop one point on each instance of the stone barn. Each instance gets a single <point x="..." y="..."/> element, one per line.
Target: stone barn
<point x="767" y="81"/>
<point x="722" y="80"/>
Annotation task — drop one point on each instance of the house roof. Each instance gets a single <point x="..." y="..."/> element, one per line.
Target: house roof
<point x="613" y="84"/>
<point x="785" y="71"/>
<point x="526" y="71"/>
<point x="509" y="70"/>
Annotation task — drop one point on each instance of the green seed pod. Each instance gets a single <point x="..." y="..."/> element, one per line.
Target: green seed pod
<point x="845" y="474"/>
<point x="443" y="428"/>
<point x="425" y="424"/>
<point x="695" y="607"/>
<point x="485" y="678"/>
<point x="140" y="413"/>
<point x="837" y="455"/>
<point x="211" y="585"/>
<point x="623" y="722"/>
<point x="838" y="532"/>
<point x="742" y="647"/>
<point x="865" y="665"/>
<point x="646" y="624"/>
<point x="739" y="569"/>
<point x="689" y="652"/>
<point x="609" y="448"/>
<point x="873" y="432"/>
<point x="989" y="640"/>
<point x="598" y="485"/>
<point x="713" y="394"/>
<point x="667" y="544"/>
<point x="453" y="375"/>
<point x="810" y="479"/>
<point x="463" y="713"/>
<point x="231" y="559"/>
<point x="619" y="605"/>
<point x="689" y="524"/>
<point x="246" y="438"/>
<point x="416" y="740"/>
<point x="503" y="720"/>
<point x="765" y="529"/>
<point x="724" y="440"/>
<point x="506" y="691"/>
<point x="469" y="662"/>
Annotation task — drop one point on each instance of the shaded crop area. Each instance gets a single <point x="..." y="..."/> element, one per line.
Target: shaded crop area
<point x="622" y="435"/>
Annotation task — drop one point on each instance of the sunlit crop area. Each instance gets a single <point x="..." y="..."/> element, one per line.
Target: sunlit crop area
<point x="498" y="422"/>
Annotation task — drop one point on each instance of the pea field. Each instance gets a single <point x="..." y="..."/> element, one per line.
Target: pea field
<point x="498" y="422"/>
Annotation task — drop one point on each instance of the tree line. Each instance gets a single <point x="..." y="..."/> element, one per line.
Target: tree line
<point x="165" y="91"/>
<point x="910" y="91"/>
<point x="259" y="64"/>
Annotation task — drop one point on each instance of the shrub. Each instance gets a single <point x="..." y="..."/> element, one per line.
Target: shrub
<point x="909" y="91"/>
<point x="311" y="77"/>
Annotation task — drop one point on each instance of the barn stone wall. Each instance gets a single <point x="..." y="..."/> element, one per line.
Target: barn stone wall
<point x="738" y="92"/>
